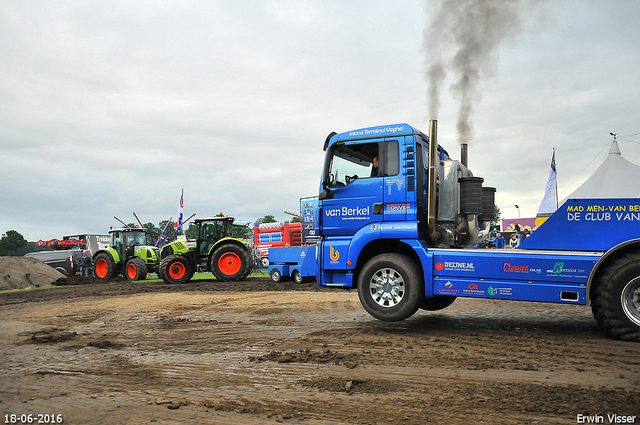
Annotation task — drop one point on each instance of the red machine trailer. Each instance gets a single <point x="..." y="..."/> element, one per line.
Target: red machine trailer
<point x="275" y="235"/>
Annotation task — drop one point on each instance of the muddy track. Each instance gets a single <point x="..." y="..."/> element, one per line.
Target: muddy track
<point x="258" y="352"/>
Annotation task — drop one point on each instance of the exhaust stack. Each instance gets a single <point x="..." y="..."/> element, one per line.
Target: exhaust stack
<point x="431" y="188"/>
<point x="464" y="152"/>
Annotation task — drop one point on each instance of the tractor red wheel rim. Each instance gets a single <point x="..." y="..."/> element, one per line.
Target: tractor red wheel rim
<point x="102" y="268"/>
<point x="132" y="271"/>
<point x="229" y="263"/>
<point x="177" y="270"/>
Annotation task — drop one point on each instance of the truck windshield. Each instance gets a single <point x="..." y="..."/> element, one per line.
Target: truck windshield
<point x="356" y="161"/>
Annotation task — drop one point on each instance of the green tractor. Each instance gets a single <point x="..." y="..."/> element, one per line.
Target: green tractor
<point x="214" y="250"/>
<point x="128" y="254"/>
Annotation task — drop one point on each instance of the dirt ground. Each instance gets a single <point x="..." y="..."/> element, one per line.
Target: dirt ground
<point x="257" y="352"/>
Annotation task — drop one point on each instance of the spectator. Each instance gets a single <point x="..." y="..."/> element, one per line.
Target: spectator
<point x="524" y="235"/>
<point x="499" y="241"/>
<point x="514" y="241"/>
<point x="85" y="264"/>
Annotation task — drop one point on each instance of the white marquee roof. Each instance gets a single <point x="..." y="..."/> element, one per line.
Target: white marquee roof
<point x="615" y="178"/>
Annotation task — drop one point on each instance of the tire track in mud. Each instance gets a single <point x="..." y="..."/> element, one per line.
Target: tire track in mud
<point x="304" y="357"/>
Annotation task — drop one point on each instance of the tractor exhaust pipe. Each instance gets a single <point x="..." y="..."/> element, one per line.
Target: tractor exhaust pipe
<point x="431" y="188"/>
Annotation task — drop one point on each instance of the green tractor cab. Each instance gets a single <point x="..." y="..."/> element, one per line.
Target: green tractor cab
<point x="214" y="250"/>
<point x="129" y="253"/>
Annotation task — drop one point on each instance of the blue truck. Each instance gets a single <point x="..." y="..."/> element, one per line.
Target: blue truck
<point x="398" y="220"/>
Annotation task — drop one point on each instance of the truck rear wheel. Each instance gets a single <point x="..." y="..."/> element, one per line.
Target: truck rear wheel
<point x="390" y="287"/>
<point x="175" y="269"/>
<point x="230" y="262"/>
<point x="616" y="298"/>
<point x="437" y="302"/>
<point x="103" y="266"/>
<point x="136" y="269"/>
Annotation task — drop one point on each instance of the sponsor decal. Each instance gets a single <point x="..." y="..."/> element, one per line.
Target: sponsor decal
<point x="448" y="288"/>
<point x="373" y="227"/>
<point x="457" y="266"/>
<point x="498" y="291"/>
<point x="558" y="268"/>
<point x="346" y="213"/>
<point x="377" y="130"/>
<point x="439" y="265"/>
<point x="397" y="207"/>
<point x="472" y="289"/>
<point x="398" y="227"/>
<point x="508" y="267"/>
<point x="334" y="254"/>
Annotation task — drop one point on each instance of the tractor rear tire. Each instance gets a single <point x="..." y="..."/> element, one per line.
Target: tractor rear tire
<point x="230" y="262"/>
<point x="104" y="267"/>
<point x="175" y="269"/>
<point x="136" y="269"/>
<point x="615" y="299"/>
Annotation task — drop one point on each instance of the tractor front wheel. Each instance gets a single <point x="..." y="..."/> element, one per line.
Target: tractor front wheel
<point x="175" y="269"/>
<point x="136" y="269"/>
<point x="103" y="266"/>
<point x="230" y="261"/>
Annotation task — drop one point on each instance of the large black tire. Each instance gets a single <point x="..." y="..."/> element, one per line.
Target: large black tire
<point x="104" y="267"/>
<point x="615" y="299"/>
<point x="136" y="269"/>
<point x="390" y="287"/>
<point x="230" y="261"/>
<point x="437" y="302"/>
<point x="175" y="269"/>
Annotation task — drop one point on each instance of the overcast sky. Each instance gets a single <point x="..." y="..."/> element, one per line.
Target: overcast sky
<point x="112" y="107"/>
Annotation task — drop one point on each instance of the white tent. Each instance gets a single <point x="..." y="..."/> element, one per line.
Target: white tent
<point x="615" y="178"/>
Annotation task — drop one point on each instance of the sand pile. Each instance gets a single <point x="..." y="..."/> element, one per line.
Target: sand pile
<point x="17" y="269"/>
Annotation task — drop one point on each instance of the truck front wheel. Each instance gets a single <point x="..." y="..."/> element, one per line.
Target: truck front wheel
<point x="616" y="298"/>
<point x="390" y="288"/>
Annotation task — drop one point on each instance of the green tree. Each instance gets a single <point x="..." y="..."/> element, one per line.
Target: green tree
<point x="294" y="219"/>
<point x="32" y="247"/>
<point x="241" y="232"/>
<point x="11" y="241"/>
<point x="169" y="234"/>
<point x="497" y="216"/>
<point x="192" y="231"/>
<point x="267" y="219"/>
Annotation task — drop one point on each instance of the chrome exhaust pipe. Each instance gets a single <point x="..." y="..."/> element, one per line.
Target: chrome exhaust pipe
<point x="431" y="188"/>
<point x="464" y="152"/>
